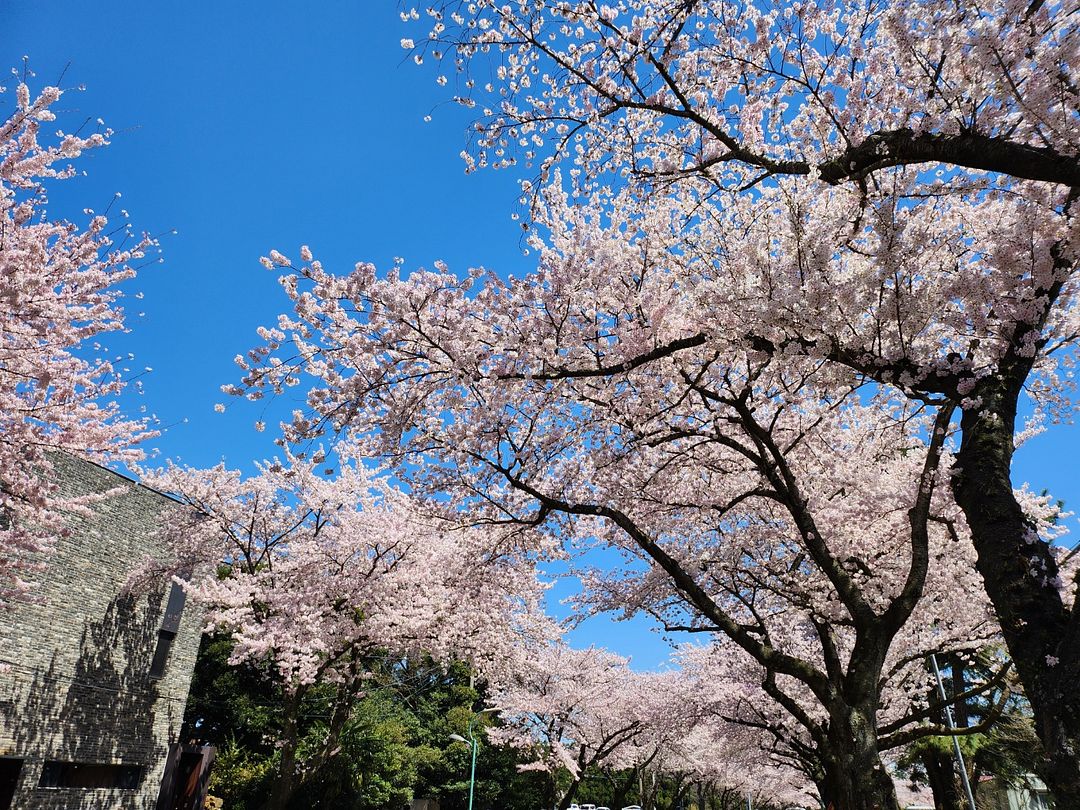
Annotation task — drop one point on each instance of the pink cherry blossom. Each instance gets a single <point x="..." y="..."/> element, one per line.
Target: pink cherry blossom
<point x="326" y="575"/>
<point x="797" y="267"/>
<point x="59" y="294"/>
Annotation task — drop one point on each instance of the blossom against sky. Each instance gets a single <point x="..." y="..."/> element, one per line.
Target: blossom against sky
<point x="247" y="127"/>
<point x="252" y="126"/>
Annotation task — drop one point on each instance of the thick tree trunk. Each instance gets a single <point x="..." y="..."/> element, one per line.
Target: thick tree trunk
<point x="941" y="774"/>
<point x="940" y="764"/>
<point x="649" y="791"/>
<point x="855" y="777"/>
<point x="682" y="789"/>
<point x="959" y="686"/>
<point x="568" y="797"/>
<point x="551" y="792"/>
<point x="1042" y="635"/>
<point x="285" y="780"/>
<point x="622" y="788"/>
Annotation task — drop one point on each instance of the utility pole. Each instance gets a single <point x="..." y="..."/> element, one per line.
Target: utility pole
<point x="956" y="743"/>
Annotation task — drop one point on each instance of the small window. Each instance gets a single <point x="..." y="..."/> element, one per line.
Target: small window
<point x="170" y="625"/>
<point x="55" y="774"/>
<point x="174" y="608"/>
<point x="161" y="654"/>
<point x="10" y="768"/>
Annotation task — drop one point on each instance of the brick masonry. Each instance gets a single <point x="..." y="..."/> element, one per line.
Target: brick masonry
<point x="77" y="686"/>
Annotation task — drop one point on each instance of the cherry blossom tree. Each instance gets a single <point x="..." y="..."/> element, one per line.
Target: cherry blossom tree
<point x="683" y="742"/>
<point x="804" y="526"/>
<point x="327" y="572"/>
<point x="706" y="723"/>
<point x="769" y="749"/>
<point x="59" y="288"/>
<point x="585" y="709"/>
<point x="887" y="187"/>
<point x="729" y="759"/>
<point x="585" y="712"/>
<point x="753" y="222"/>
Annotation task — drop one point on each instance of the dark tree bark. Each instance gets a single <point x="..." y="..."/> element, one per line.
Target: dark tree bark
<point x="568" y="797"/>
<point x="621" y="787"/>
<point x="550" y="790"/>
<point x="854" y="776"/>
<point x="682" y="790"/>
<point x="1018" y="570"/>
<point x="285" y="780"/>
<point x="847" y="746"/>
<point x="940" y="764"/>
<point x="1042" y="635"/>
<point x="571" y="792"/>
<point x="941" y="775"/>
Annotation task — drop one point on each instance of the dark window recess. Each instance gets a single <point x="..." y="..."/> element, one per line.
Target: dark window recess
<point x="174" y="609"/>
<point x="161" y="653"/>
<point x="55" y="774"/>
<point x="9" y="780"/>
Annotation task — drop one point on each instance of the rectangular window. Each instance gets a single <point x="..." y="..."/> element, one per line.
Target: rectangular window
<point x="170" y="625"/>
<point x="10" y="767"/>
<point x="174" y="609"/>
<point x="56" y="774"/>
<point x="161" y="654"/>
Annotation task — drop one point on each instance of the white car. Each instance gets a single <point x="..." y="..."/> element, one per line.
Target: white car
<point x="632" y="807"/>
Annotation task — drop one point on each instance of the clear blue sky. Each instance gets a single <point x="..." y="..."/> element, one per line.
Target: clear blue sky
<point x="248" y="126"/>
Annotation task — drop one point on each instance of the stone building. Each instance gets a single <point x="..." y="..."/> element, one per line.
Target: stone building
<point x="94" y="680"/>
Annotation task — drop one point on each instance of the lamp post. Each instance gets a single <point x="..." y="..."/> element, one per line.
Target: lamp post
<point x="473" y="744"/>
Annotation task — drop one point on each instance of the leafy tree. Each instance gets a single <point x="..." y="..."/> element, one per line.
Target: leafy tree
<point x="324" y="576"/>
<point x="395" y="744"/>
<point x="1005" y="747"/>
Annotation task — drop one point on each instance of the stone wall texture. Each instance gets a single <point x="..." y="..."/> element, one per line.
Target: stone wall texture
<point x="77" y="685"/>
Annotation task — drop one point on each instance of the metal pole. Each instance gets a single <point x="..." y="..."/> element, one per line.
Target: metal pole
<point x="955" y="741"/>
<point x="474" y="744"/>
<point x="472" y="772"/>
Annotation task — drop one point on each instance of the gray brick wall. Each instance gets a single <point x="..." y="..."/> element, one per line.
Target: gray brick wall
<point x="77" y="686"/>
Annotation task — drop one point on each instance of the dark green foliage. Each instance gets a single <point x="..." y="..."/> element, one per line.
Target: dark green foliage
<point x="1011" y="751"/>
<point x="395" y="745"/>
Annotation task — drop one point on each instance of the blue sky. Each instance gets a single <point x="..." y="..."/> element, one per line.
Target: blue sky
<point x="248" y="126"/>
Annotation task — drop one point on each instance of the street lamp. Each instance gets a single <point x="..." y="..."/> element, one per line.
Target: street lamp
<point x="473" y="744"/>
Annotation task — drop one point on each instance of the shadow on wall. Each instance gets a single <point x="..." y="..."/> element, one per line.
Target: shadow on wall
<point x="100" y="711"/>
